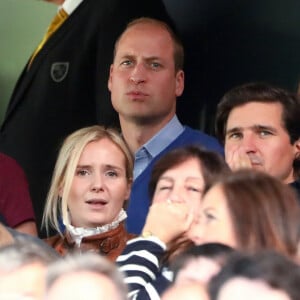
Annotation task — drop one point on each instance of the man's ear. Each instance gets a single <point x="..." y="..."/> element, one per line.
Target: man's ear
<point x="109" y="77"/>
<point x="297" y="149"/>
<point x="179" y="84"/>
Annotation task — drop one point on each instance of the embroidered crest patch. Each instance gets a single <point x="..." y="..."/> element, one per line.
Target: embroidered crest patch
<point x="59" y="71"/>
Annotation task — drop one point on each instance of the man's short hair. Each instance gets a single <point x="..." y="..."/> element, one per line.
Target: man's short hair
<point x="86" y="262"/>
<point x="177" y="43"/>
<point x="263" y="93"/>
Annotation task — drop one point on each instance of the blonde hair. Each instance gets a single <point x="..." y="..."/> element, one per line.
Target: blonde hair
<point x="67" y="161"/>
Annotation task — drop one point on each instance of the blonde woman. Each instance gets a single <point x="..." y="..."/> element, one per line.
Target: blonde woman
<point x="90" y="184"/>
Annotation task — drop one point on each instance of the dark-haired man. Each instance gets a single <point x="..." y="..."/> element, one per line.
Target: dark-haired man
<point x="260" y="127"/>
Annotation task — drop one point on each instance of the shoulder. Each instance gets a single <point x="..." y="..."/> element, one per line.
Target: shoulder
<point x="54" y="240"/>
<point x="7" y="161"/>
<point x="192" y="136"/>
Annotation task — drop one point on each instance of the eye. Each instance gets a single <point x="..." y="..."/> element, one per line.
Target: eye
<point x="126" y="63"/>
<point x="194" y="189"/>
<point x="264" y="133"/>
<point x="111" y="173"/>
<point x="234" y="135"/>
<point x="82" y="172"/>
<point x="164" y="187"/>
<point x="155" y="65"/>
<point x="209" y="216"/>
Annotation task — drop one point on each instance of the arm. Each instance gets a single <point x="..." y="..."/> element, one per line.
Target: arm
<point x="140" y="263"/>
<point x="15" y="202"/>
<point x="141" y="258"/>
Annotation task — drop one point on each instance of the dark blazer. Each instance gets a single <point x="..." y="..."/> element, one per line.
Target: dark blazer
<point x="65" y="88"/>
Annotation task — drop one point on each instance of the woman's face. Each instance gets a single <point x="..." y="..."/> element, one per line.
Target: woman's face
<point x="182" y="183"/>
<point x="213" y="223"/>
<point x="99" y="186"/>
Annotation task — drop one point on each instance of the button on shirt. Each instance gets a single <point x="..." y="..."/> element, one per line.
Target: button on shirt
<point x="155" y="145"/>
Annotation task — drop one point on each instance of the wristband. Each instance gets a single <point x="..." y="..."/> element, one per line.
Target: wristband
<point x="146" y="234"/>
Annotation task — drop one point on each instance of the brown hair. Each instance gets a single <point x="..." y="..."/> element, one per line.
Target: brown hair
<point x="265" y="212"/>
<point x="211" y="163"/>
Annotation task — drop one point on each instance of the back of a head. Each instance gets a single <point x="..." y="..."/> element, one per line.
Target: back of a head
<point x="269" y="267"/>
<point x="89" y="275"/>
<point x="25" y="251"/>
<point x="22" y="269"/>
<point x="215" y="251"/>
<point x="200" y="263"/>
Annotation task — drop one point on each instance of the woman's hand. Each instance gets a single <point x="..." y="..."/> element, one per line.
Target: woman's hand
<point x="168" y="220"/>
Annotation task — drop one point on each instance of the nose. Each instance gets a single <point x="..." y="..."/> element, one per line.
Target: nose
<point x="249" y="142"/>
<point x="196" y="233"/>
<point x="97" y="183"/>
<point x="137" y="75"/>
<point x="177" y="194"/>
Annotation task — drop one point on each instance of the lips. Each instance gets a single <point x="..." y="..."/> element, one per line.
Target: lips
<point x="96" y="202"/>
<point x="136" y="94"/>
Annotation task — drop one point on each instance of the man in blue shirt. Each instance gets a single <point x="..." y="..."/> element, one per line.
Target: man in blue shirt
<point x="145" y="79"/>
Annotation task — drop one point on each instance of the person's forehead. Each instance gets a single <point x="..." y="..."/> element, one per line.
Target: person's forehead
<point x="146" y="26"/>
<point x="250" y="289"/>
<point x="256" y="111"/>
<point x="258" y="105"/>
<point x="144" y="31"/>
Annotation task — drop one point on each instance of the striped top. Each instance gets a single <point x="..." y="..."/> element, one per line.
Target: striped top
<point x="140" y="263"/>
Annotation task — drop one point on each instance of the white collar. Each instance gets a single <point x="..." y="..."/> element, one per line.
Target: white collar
<point x="78" y="233"/>
<point x="70" y="5"/>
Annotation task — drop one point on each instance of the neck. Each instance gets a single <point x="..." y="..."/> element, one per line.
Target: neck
<point x="290" y="178"/>
<point x="136" y="135"/>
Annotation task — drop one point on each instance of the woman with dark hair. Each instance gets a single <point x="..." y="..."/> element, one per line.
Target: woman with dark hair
<point x="176" y="187"/>
<point x="250" y="211"/>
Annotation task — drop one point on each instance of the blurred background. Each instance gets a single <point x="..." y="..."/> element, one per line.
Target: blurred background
<point x="227" y="42"/>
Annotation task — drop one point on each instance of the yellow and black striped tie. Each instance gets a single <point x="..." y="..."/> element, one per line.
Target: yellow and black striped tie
<point x="59" y="18"/>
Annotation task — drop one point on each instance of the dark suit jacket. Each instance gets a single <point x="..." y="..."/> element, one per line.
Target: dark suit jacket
<point x="66" y="87"/>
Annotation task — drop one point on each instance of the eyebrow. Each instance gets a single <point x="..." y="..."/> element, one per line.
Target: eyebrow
<point x="255" y="127"/>
<point x="107" y="166"/>
<point x="172" y="179"/>
<point x="133" y="57"/>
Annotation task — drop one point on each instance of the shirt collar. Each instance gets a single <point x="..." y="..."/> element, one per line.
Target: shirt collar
<point x="70" y="5"/>
<point x="164" y="137"/>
